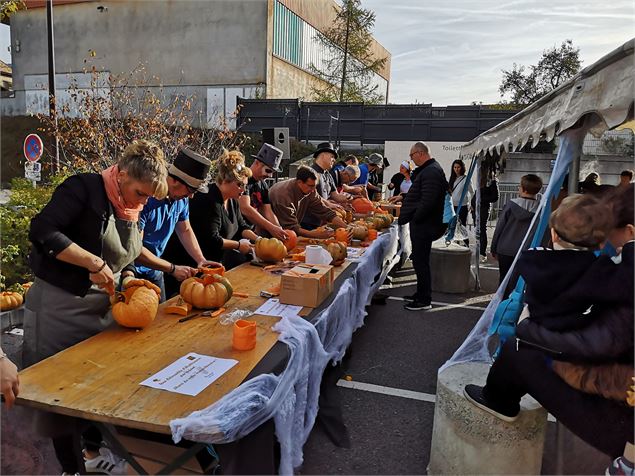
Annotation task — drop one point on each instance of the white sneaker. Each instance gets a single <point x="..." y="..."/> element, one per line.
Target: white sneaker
<point x="106" y="463"/>
<point x="483" y="259"/>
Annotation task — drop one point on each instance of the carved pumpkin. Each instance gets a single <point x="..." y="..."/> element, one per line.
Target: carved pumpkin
<point x="10" y="300"/>
<point x="338" y="252"/>
<point x="209" y="292"/>
<point x="341" y="234"/>
<point x="210" y="270"/>
<point x="137" y="305"/>
<point x="270" y="250"/>
<point x="360" y="232"/>
<point x="291" y="241"/>
<point x="362" y="205"/>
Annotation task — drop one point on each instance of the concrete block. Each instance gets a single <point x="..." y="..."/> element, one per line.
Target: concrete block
<point x="468" y="440"/>
<point x="450" y="269"/>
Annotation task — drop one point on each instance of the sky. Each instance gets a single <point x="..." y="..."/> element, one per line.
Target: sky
<point x="452" y="52"/>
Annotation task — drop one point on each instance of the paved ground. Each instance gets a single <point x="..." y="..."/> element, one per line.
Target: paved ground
<point x="396" y="350"/>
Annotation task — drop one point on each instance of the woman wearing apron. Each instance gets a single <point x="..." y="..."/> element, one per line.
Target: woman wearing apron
<point x="82" y="241"/>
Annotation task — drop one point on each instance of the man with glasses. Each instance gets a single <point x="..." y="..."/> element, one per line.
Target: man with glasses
<point x="160" y="218"/>
<point x="292" y="199"/>
<point x="255" y="204"/>
<point x="422" y="209"/>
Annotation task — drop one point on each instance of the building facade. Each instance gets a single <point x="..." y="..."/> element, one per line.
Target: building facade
<point x="207" y="51"/>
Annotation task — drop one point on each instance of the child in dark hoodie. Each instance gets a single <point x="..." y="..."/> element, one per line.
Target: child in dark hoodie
<point x="512" y="226"/>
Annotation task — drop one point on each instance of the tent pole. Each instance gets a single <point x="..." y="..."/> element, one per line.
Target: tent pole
<point x="574" y="173"/>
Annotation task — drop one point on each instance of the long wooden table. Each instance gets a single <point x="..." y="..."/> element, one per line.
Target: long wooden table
<point x="98" y="379"/>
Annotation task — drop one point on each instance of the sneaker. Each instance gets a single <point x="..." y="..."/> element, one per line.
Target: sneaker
<point x="474" y="394"/>
<point x="106" y="463"/>
<point x="620" y="467"/>
<point x="483" y="259"/>
<point x="418" y="306"/>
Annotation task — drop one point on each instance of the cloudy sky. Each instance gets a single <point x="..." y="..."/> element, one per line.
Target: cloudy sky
<point x="448" y="52"/>
<point x="452" y="52"/>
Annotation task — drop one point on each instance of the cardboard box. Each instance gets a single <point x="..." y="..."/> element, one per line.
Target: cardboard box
<point x="306" y="285"/>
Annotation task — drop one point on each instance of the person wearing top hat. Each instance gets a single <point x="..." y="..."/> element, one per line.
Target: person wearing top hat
<point x="325" y="156"/>
<point x="255" y="204"/>
<point x="159" y="219"/>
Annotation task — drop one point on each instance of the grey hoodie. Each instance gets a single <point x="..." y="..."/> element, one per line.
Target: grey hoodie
<point x="512" y="225"/>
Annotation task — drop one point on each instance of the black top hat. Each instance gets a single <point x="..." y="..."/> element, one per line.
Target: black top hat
<point x="191" y="168"/>
<point x="270" y="155"/>
<point x="325" y="147"/>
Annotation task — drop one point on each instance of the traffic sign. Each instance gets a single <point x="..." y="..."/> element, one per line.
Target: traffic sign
<point x="33" y="147"/>
<point x="33" y="171"/>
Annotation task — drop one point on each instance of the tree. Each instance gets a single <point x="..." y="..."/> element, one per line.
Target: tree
<point x="9" y="7"/>
<point x="556" y="66"/>
<point x="349" y="66"/>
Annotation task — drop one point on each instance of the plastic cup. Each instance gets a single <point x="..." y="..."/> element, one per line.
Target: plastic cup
<point x="244" y="336"/>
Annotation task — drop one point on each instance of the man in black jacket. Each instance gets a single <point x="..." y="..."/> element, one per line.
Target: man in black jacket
<point x="423" y="210"/>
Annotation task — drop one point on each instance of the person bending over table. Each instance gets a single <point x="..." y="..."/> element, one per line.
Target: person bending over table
<point x="291" y="199"/>
<point x="81" y="242"/>
<point x="161" y="218"/>
<point x="222" y="231"/>
<point x="255" y="204"/>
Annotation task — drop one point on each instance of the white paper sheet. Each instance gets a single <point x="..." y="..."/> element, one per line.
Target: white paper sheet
<point x="190" y="374"/>
<point x="273" y="307"/>
<point x="354" y="253"/>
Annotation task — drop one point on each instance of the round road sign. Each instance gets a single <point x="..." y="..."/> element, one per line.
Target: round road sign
<point x="33" y="147"/>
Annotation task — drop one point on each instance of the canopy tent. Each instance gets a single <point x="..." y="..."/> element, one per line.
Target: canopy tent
<point x="598" y="98"/>
<point x="605" y="89"/>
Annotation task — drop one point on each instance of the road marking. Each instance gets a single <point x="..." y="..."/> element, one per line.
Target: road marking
<point x="395" y="392"/>
<point x="445" y="305"/>
<point x="398" y="392"/>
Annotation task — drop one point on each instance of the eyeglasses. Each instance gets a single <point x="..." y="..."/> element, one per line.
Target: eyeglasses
<point x="241" y="185"/>
<point x="414" y="153"/>
<point x="268" y="170"/>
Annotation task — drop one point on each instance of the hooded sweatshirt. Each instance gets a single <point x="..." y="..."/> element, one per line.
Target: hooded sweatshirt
<point x="512" y="225"/>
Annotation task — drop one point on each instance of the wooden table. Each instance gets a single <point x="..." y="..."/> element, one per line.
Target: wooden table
<point x="98" y="379"/>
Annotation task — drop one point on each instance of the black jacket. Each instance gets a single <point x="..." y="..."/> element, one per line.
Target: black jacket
<point x="512" y="226"/>
<point x="211" y="224"/>
<point x="422" y="206"/>
<point x="605" y="333"/>
<point x="78" y="212"/>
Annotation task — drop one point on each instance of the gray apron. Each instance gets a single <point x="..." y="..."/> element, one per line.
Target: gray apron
<point x="55" y="319"/>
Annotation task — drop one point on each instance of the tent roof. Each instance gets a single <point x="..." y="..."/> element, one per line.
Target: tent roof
<point x="604" y="88"/>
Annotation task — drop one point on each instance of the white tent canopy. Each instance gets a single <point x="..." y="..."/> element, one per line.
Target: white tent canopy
<point x="605" y="88"/>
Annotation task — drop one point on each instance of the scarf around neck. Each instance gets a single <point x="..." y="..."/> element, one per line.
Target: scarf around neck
<point x="123" y="211"/>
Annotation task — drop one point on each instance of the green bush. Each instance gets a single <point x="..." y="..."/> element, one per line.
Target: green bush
<point x="15" y="220"/>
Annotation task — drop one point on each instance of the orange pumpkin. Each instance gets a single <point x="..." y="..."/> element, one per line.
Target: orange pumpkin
<point x="270" y="250"/>
<point x="137" y="305"/>
<point x="341" y="234"/>
<point x="10" y="300"/>
<point x="362" y="205"/>
<point x="338" y="252"/>
<point x="360" y="232"/>
<point x="210" y="270"/>
<point x="210" y="291"/>
<point x="291" y="241"/>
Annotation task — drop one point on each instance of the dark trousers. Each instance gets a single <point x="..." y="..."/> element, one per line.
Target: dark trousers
<point x="421" y="263"/>
<point x="482" y="228"/>
<point x="504" y="264"/>
<point x="604" y="424"/>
